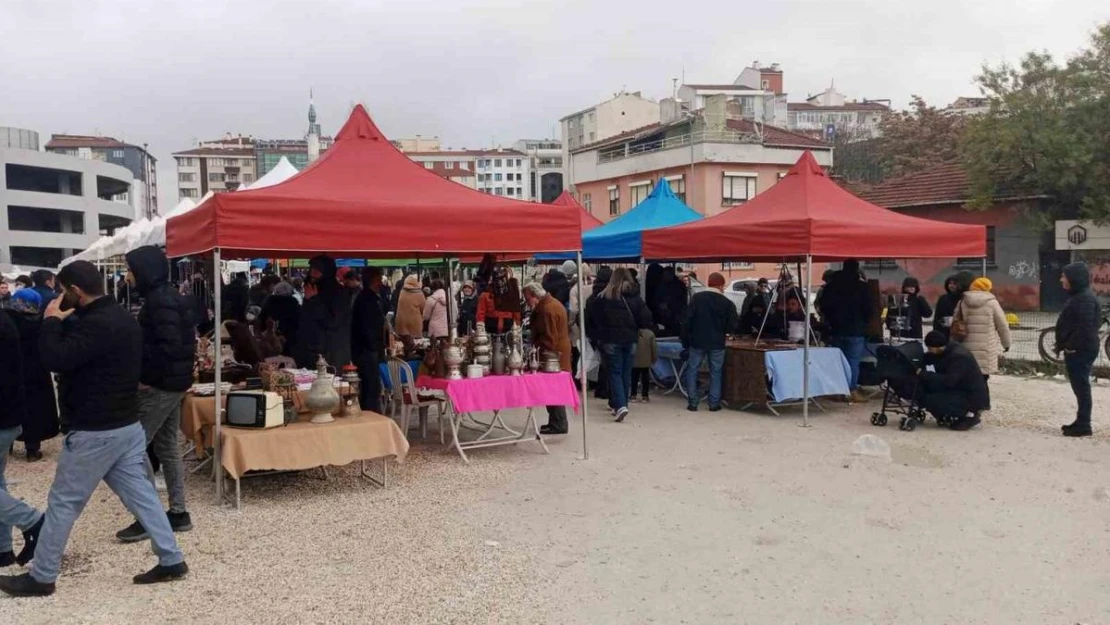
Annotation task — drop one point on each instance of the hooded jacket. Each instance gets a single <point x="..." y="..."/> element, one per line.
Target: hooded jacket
<point x="946" y="304"/>
<point x="846" y="305"/>
<point x="558" y="285"/>
<point x="602" y="281"/>
<point x="40" y="409"/>
<point x="1079" y="321"/>
<point x="409" y="320"/>
<point x="915" y="308"/>
<point x="325" y="327"/>
<point x="618" y="321"/>
<point x="957" y="372"/>
<point x="435" y="313"/>
<point x="988" y="334"/>
<point x="167" y="321"/>
<point x="236" y="299"/>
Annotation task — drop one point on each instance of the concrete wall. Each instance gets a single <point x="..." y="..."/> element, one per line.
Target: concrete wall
<point x="1015" y="272"/>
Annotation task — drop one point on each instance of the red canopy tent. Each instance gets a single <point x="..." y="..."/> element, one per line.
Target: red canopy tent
<point x="589" y="222"/>
<point x="807" y="216"/>
<point x="364" y="198"/>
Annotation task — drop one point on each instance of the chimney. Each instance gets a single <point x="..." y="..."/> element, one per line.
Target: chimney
<point x="755" y="64"/>
<point x="670" y="109"/>
<point x="716" y="112"/>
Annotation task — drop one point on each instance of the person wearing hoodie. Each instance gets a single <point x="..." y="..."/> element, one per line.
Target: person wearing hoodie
<point x="435" y="312"/>
<point x="909" y="305"/>
<point x="368" y="337"/>
<point x="409" y="320"/>
<point x="40" y="420"/>
<point x="325" y="327"/>
<point x="945" y="308"/>
<point x="168" y="353"/>
<point x="601" y="388"/>
<point x="847" y="310"/>
<point x="955" y="389"/>
<point x="468" y="308"/>
<point x="988" y="333"/>
<point x="1077" y="337"/>
<point x="236" y="299"/>
<point x="557" y="284"/>
<point x="617" y="316"/>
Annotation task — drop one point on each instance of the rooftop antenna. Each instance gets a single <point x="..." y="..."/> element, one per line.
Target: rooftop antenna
<point x="674" y="88"/>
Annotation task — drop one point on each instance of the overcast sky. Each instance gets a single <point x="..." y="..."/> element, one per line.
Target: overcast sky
<point x="169" y="72"/>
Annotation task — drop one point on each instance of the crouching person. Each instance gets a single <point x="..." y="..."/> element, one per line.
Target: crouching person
<point x="954" y="392"/>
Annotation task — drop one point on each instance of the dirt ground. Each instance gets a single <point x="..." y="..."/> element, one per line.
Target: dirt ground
<point x="677" y="517"/>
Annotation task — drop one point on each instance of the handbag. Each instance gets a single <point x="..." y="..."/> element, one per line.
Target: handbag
<point x="958" y="331"/>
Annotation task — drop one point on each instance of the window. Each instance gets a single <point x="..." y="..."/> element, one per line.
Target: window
<point x="518" y="178"/>
<point x="509" y="191"/>
<point x="588" y="203"/>
<point x="187" y="193"/>
<point x="881" y="264"/>
<point x="497" y="177"/>
<point x="765" y="84"/>
<point x="428" y="164"/>
<point x="186" y="161"/>
<point x="781" y="175"/>
<point x="518" y="165"/>
<point x="678" y="186"/>
<point x="592" y="135"/>
<point x="498" y="191"/>
<point x="117" y="153"/>
<point x="215" y="177"/>
<point x="186" y="177"/>
<point x="737" y="188"/>
<point x="978" y="262"/>
<point x="638" y="192"/>
<point x="496" y="162"/>
<point x="520" y="191"/>
<point x="614" y="200"/>
<point x="737" y="266"/>
<point x="248" y="178"/>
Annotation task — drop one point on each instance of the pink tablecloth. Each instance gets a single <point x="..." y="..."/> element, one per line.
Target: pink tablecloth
<point x="501" y="392"/>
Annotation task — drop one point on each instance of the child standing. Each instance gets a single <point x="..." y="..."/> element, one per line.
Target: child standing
<point x="641" y="363"/>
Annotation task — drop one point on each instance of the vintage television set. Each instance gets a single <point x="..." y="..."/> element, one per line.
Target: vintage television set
<point x="254" y="409"/>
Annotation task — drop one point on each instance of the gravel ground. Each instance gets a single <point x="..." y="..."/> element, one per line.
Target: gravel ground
<point x="676" y="518"/>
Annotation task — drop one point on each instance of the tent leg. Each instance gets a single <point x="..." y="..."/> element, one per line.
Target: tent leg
<point x="805" y="350"/>
<point x="581" y="312"/>
<point x="984" y="266"/>
<point x="217" y="458"/>
<point x="643" y="279"/>
<point x="451" y="332"/>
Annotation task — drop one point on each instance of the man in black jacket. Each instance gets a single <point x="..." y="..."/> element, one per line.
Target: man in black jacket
<point x="236" y="299"/>
<point x="847" y="310"/>
<point x="325" y="318"/>
<point x="1077" y="336"/>
<point x="367" y="338"/>
<point x="13" y="512"/>
<point x="98" y="356"/>
<point x="954" y="391"/>
<point x="169" y="349"/>
<point x="709" y="319"/>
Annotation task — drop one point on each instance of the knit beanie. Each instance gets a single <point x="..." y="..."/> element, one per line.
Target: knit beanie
<point x="982" y="284"/>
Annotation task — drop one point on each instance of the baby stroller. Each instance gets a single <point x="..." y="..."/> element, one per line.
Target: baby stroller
<point x="897" y="367"/>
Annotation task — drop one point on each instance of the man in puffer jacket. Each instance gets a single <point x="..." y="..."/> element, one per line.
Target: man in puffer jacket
<point x="168" y="324"/>
<point x="1077" y="336"/>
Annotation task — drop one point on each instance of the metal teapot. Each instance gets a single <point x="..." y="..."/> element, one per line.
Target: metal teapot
<point x="322" y="399"/>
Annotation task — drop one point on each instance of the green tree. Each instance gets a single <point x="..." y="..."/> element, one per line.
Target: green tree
<point x="1047" y="132"/>
<point x="918" y="138"/>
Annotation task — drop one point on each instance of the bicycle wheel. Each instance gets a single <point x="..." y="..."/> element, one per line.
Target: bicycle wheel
<point x="1046" y="345"/>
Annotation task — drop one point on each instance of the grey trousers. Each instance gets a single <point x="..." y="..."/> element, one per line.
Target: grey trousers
<point x="117" y="457"/>
<point x="160" y="416"/>
<point x="13" y="512"/>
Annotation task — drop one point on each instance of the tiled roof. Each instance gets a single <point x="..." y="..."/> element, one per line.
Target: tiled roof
<point x="216" y="152"/>
<point x="452" y="172"/>
<point x="945" y="183"/>
<point x="847" y="106"/>
<point x="617" y="138"/>
<point x="456" y="153"/>
<point x="83" y="141"/>
<point x="777" y="137"/>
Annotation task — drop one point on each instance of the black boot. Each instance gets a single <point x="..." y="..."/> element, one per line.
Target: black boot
<point x="161" y="574"/>
<point x="30" y="542"/>
<point x="964" y="424"/>
<point x="25" y="586"/>
<point x="1077" y="430"/>
<point x="7" y="558"/>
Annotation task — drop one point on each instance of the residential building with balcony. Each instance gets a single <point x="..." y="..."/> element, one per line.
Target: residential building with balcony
<point x="831" y="113"/>
<point x="622" y="113"/>
<point x="55" y="205"/>
<point x="497" y="172"/>
<point x="545" y="158"/>
<point x="714" y="160"/>
<point x="143" y="194"/>
<point x="218" y="166"/>
<point x="758" y="92"/>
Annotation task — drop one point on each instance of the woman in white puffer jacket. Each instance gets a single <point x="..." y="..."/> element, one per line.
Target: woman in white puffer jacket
<point x="988" y="334"/>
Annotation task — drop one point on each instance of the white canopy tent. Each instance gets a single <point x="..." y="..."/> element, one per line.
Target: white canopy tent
<point x="284" y="170"/>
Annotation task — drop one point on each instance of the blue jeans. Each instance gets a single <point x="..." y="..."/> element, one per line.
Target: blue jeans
<point x="13" y="512"/>
<point x="716" y="358"/>
<point x="618" y="358"/>
<point x="1078" y="367"/>
<point x="853" y="348"/>
<point x="119" y="458"/>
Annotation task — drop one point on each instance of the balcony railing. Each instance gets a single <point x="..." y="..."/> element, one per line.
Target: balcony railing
<point x="619" y="152"/>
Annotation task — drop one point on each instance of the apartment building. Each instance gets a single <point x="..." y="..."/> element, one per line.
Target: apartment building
<point x="497" y="172"/>
<point x="218" y="166"/>
<point x="143" y="194"/>
<point x="831" y="113"/>
<point x="757" y="90"/>
<point x="545" y="160"/>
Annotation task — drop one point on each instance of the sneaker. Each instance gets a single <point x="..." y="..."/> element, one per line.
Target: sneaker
<point x="161" y="574"/>
<point x="621" y="414"/>
<point x="692" y="407"/>
<point x="1078" y="431"/>
<point x="7" y="558"/>
<point x="132" y="533"/>
<point x="714" y="409"/>
<point x="547" y="429"/>
<point x="645" y="399"/>
<point x="25" y="586"/>
<point x="180" y="521"/>
<point x="30" y="542"/>
<point x="964" y="424"/>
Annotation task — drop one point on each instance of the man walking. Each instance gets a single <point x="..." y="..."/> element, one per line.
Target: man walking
<point x="169" y="349"/>
<point x="847" y="311"/>
<point x="13" y="512"/>
<point x="97" y="357"/>
<point x="1077" y="336"/>
<point x="710" y="317"/>
<point x="368" y="338"/>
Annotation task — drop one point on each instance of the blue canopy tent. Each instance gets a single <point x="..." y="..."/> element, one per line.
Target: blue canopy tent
<point x="621" y="240"/>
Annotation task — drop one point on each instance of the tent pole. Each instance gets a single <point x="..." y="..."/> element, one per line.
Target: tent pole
<point x="217" y="334"/>
<point x="451" y="330"/>
<point x="805" y="350"/>
<point x="643" y="278"/>
<point x="984" y="266"/>
<point x="581" y="312"/>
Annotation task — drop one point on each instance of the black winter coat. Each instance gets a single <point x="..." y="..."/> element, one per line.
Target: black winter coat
<point x="957" y="371"/>
<point x="1079" y="321"/>
<point x="236" y="299"/>
<point x="325" y="327"/>
<point x="617" y="321"/>
<point x="41" y="406"/>
<point x="916" y="308"/>
<point x="168" y="321"/>
<point x="846" y="306"/>
<point x="98" y="355"/>
<point x="13" y="406"/>
<point x="367" y="324"/>
<point x="285" y="311"/>
<point x="557" y="284"/>
<point x="709" y="318"/>
<point x="468" y="314"/>
<point x="946" y="307"/>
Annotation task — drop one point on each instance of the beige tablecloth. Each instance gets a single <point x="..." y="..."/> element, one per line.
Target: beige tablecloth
<point x="303" y="445"/>
<point x="198" y="418"/>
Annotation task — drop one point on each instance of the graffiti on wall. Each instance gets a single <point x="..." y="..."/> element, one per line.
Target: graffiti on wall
<point x="1100" y="274"/>
<point x="1023" y="270"/>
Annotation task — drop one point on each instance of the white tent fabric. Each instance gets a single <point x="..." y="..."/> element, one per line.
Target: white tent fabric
<point x="284" y="170"/>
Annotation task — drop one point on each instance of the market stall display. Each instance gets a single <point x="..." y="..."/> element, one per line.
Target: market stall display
<point x="770" y="374"/>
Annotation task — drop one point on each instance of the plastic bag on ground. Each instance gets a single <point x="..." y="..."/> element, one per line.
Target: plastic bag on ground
<point x="871" y="446"/>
